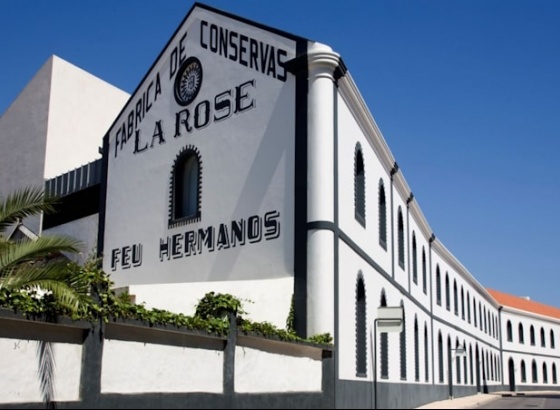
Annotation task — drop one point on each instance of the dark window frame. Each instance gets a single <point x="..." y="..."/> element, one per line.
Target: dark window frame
<point x="438" y="286"/>
<point x="361" y="327"/>
<point x="414" y="260"/>
<point x="181" y="187"/>
<point x="400" y="237"/>
<point x="359" y="186"/>
<point x="382" y="204"/>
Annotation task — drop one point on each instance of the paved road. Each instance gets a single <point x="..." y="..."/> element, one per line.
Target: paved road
<point x="534" y="400"/>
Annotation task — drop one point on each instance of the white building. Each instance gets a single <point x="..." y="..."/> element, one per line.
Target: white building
<point x="247" y="162"/>
<point x="53" y="127"/>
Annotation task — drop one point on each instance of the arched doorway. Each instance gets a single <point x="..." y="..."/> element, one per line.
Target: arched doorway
<point x="511" y="371"/>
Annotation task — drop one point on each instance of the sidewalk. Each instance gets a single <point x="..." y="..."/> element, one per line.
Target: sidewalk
<point x="467" y="402"/>
<point x="470" y="402"/>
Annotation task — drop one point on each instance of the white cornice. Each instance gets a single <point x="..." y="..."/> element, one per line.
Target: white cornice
<point x="420" y="219"/>
<point x="529" y="314"/>
<point x="448" y="257"/>
<point x="355" y="102"/>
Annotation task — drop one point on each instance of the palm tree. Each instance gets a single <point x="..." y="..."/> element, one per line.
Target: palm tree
<point x="36" y="264"/>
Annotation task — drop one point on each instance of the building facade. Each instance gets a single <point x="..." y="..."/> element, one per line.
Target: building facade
<point x="247" y="162"/>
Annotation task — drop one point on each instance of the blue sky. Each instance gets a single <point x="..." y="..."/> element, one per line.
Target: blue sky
<point x="466" y="94"/>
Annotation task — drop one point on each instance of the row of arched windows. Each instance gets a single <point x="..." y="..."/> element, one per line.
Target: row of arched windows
<point x="360" y="216"/>
<point x="521" y="336"/>
<point x="455" y="298"/>
<point x="360" y="205"/>
<point x="415" y="265"/>
<point x="361" y="340"/>
<point x="483" y="366"/>
<point x="535" y="373"/>
<point x="477" y="366"/>
<point x="486" y="321"/>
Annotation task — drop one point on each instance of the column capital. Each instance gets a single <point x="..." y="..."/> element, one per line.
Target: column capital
<point x="322" y="60"/>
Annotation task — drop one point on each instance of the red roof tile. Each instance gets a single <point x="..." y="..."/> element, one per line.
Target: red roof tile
<point x="520" y="303"/>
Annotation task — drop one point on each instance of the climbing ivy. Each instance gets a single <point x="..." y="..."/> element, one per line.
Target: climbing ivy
<point x="102" y="303"/>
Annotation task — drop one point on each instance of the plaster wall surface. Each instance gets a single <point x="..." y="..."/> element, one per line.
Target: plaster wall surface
<point x="84" y="230"/>
<point x="258" y="371"/>
<point x="20" y="373"/>
<point x="23" y="131"/>
<point x="133" y="367"/>
<point x="81" y="109"/>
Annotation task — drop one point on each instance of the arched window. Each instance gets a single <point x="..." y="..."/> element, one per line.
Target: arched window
<point x="424" y="278"/>
<point x="361" y="332"/>
<point x="458" y="362"/>
<point x="544" y="373"/>
<point x="384" y="345"/>
<point x="382" y="216"/>
<point x="492" y="367"/>
<point x="466" y="370"/>
<point x="523" y="372"/>
<point x="447" y="295"/>
<point x="532" y="335"/>
<point x="449" y="361"/>
<point x="438" y="286"/>
<point x="455" y="298"/>
<point x="552" y="346"/>
<point x="468" y="307"/>
<point x="543" y="342"/>
<point x="359" y="187"/>
<point x="474" y="311"/>
<point x="471" y="364"/>
<point x="534" y="372"/>
<point x="416" y="351"/>
<point x="402" y="340"/>
<point x="414" y="260"/>
<point x="485" y="321"/>
<point x="401" y="238"/>
<point x="426" y="354"/>
<point x="440" y="357"/>
<point x="462" y="304"/>
<point x="509" y="331"/>
<point x="554" y="377"/>
<point x="521" y="336"/>
<point x="186" y="187"/>
<point x="480" y="320"/>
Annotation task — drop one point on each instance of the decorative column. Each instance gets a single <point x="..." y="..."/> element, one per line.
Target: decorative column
<point x="320" y="189"/>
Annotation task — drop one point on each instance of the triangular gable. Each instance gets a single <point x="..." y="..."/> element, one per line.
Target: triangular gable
<point x="20" y="232"/>
<point x="219" y="92"/>
<point x="214" y="37"/>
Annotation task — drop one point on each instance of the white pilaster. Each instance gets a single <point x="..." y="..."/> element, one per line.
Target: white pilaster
<point x="320" y="182"/>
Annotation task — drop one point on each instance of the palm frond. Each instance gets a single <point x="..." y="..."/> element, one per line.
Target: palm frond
<point x="23" y="203"/>
<point x="46" y="371"/>
<point x="53" y="276"/>
<point x="27" y="250"/>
